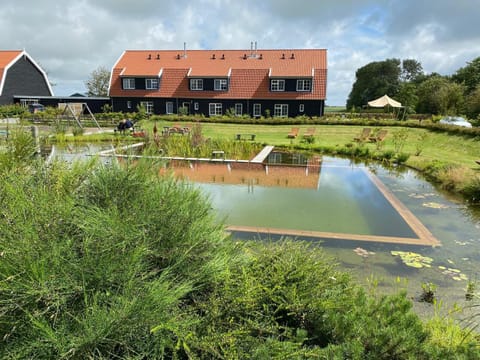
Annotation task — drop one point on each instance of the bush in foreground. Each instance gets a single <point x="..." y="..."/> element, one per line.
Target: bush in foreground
<point x="116" y="262"/>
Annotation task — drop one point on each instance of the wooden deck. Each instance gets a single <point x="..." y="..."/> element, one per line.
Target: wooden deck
<point x="262" y="155"/>
<point x="328" y="235"/>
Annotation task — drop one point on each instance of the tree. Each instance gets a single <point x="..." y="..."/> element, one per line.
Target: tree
<point x="411" y="70"/>
<point x="439" y="95"/>
<point x="407" y="95"/>
<point x="469" y="75"/>
<point x="374" y="80"/>
<point x="97" y="83"/>
<point x="472" y="104"/>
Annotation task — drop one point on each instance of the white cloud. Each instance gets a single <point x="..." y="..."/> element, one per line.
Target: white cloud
<point x="70" y="39"/>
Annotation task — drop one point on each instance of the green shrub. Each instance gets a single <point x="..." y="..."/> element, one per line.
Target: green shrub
<point x="92" y="261"/>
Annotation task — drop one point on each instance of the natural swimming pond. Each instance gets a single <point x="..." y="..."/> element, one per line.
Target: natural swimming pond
<point x="346" y="208"/>
<point x="341" y="197"/>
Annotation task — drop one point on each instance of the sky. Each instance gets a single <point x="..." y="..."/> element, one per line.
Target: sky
<point x="71" y="39"/>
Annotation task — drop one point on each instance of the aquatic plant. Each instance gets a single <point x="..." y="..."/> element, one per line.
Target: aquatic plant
<point x="428" y="292"/>
<point x="362" y="252"/>
<point x="413" y="259"/>
<point x="470" y="290"/>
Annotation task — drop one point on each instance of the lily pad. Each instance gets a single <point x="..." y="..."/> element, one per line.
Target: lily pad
<point x="413" y="259"/>
<point x="435" y="205"/>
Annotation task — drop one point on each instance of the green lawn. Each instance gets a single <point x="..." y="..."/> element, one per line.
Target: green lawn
<point x="433" y="145"/>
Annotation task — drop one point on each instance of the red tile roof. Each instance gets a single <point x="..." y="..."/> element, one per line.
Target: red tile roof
<point x="6" y="58"/>
<point x="249" y="72"/>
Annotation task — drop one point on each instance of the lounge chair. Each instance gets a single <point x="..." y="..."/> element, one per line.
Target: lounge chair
<point x="293" y="133"/>
<point x="309" y="133"/>
<point x="378" y="137"/>
<point x="363" y="135"/>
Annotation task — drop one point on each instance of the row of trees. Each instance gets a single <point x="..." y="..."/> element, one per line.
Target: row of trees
<point x="406" y="81"/>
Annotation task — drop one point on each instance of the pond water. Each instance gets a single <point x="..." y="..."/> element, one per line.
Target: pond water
<point x="340" y="197"/>
<point x="346" y="201"/>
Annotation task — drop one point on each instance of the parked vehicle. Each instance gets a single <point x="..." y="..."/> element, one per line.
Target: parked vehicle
<point x="34" y="108"/>
<point x="455" y="120"/>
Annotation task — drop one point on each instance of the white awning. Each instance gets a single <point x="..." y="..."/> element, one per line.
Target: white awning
<point x="383" y="101"/>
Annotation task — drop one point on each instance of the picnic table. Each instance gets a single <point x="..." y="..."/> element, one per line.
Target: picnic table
<point x="218" y="154"/>
<point x="250" y="137"/>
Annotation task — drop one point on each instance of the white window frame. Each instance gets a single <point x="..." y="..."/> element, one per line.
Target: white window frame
<point x="148" y="105"/>
<point x="304" y="85"/>
<point x="169" y="107"/>
<point x="220" y="85"/>
<point x="257" y="110"/>
<point x="238" y="109"/>
<point x="280" y="110"/>
<point x="151" y="84"/>
<point x="277" y="85"/>
<point x="27" y="102"/>
<point x="196" y="84"/>
<point x="301" y="108"/>
<point x="215" y="109"/>
<point x="128" y="83"/>
<point x="196" y="106"/>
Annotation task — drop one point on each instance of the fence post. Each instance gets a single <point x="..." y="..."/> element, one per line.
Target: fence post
<point x="36" y="138"/>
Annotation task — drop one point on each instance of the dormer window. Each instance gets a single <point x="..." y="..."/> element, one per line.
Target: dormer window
<point x="220" y="85"/>
<point x="151" y="84"/>
<point x="277" y="85"/>
<point x="196" y="84"/>
<point x="128" y="83"/>
<point x="304" y="85"/>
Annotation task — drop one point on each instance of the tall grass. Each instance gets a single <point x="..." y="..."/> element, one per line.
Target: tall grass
<point x="92" y="260"/>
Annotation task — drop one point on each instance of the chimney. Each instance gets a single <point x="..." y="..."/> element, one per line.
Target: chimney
<point x="184" y="50"/>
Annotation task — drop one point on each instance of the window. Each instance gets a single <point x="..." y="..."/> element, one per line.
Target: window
<point x="148" y="105"/>
<point x="27" y="102"/>
<point x="278" y="85"/>
<point x="304" y="85"/>
<point x="129" y="104"/>
<point x="196" y="84"/>
<point x="128" y="83"/>
<point x="301" y="108"/>
<point x="169" y="107"/>
<point x="196" y="106"/>
<point x="151" y="84"/>
<point x="280" y="110"/>
<point x="257" y="110"/>
<point x="238" y="109"/>
<point x="220" y="85"/>
<point x="214" y="109"/>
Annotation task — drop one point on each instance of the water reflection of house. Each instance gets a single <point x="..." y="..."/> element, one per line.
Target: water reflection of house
<point x="294" y="176"/>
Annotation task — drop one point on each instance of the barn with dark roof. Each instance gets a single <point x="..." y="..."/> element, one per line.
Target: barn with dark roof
<point x="21" y="76"/>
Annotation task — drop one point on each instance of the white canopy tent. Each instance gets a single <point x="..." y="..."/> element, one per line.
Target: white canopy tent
<point x="383" y="101"/>
<point x="387" y="101"/>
